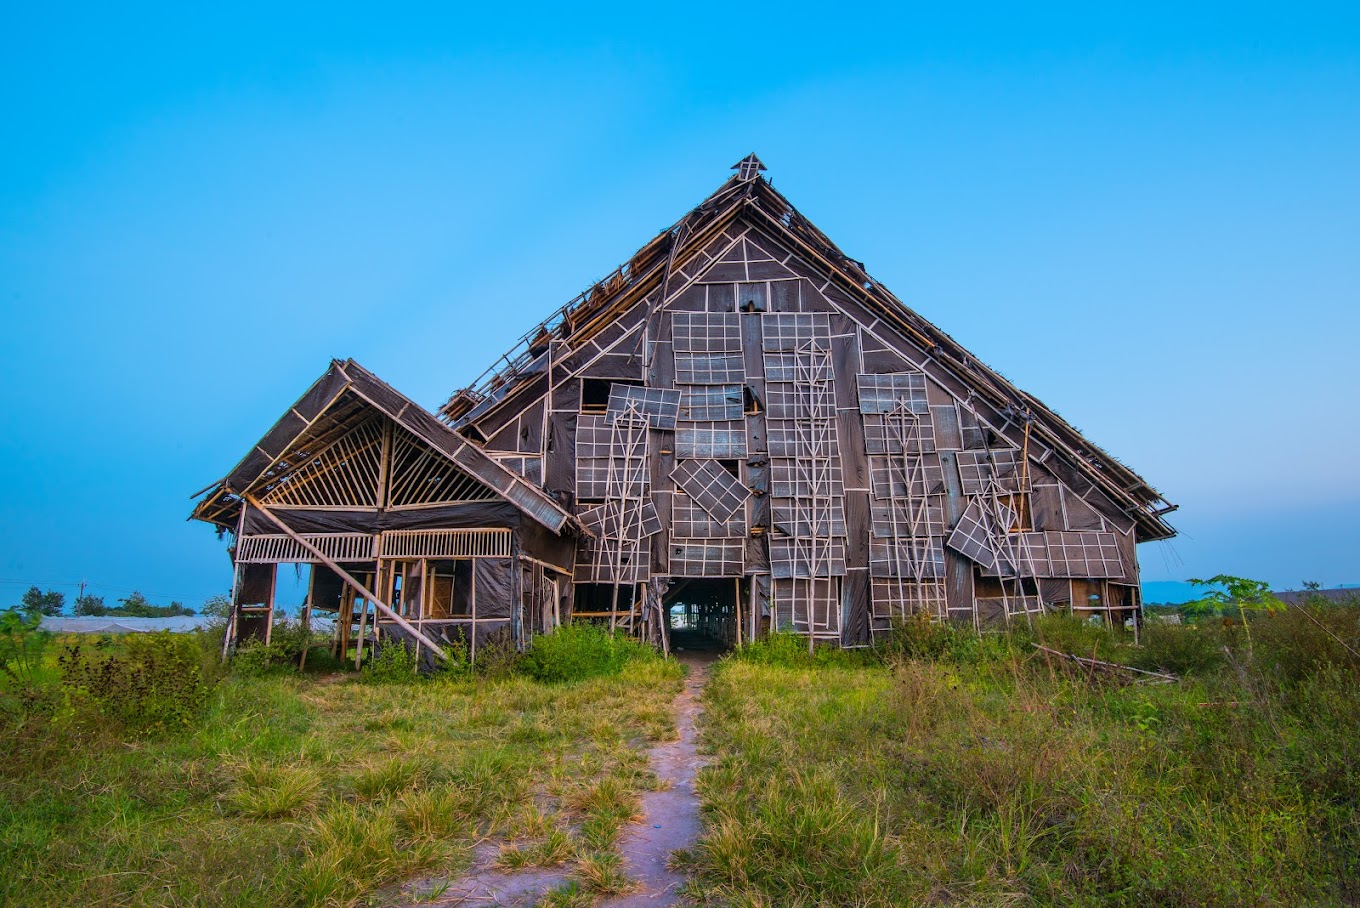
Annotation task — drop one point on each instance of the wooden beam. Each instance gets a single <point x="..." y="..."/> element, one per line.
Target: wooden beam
<point x="345" y="575"/>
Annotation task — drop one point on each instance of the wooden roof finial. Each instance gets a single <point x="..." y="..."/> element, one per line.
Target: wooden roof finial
<point x="748" y="168"/>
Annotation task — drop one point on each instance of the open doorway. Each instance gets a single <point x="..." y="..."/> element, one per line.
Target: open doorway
<point x="702" y="613"/>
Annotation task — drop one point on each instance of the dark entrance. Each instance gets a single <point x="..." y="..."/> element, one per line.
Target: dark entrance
<point x="702" y="613"/>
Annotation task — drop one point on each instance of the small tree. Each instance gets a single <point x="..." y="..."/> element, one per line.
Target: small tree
<point x="1226" y="592"/>
<point x="218" y="606"/>
<point x="91" y="606"/>
<point x="135" y="606"/>
<point x="36" y="602"/>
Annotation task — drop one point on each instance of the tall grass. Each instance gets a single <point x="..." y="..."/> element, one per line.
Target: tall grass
<point x="967" y="770"/>
<point x="284" y="790"/>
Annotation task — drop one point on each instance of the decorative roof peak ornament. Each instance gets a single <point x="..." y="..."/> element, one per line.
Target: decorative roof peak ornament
<point x="748" y="168"/>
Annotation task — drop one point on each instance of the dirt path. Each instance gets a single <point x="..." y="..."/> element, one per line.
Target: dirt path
<point x="670" y="817"/>
<point x="670" y="821"/>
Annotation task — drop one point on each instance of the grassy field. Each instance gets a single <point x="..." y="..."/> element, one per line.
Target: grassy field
<point x="945" y="769"/>
<point x="291" y="790"/>
<point x="967" y="772"/>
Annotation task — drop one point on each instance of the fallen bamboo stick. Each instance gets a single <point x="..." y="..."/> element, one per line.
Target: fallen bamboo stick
<point x="1100" y="663"/>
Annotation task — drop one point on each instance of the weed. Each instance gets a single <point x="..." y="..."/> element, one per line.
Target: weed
<point x="386" y="776"/>
<point x="150" y="682"/>
<point x="602" y="873"/>
<point x="266" y="791"/>
<point x="575" y="652"/>
<point x="392" y="663"/>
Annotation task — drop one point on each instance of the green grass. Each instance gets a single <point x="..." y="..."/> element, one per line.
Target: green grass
<point x="973" y="772"/>
<point x="305" y="791"/>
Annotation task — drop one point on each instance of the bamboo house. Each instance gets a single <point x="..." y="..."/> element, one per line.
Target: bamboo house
<point x="738" y="430"/>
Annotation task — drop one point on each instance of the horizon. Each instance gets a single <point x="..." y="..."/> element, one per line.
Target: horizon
<point x="1149" y="224"/>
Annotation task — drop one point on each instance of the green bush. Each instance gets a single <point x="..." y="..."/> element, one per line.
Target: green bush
<point x="147" y="682"/>
<point x="496" y="656"/>
<point x="790" y="650"/>
<point x="1182" y="649"/>
<point x="287" y="640"/>
<point x="924" y="637"/>
<point x="1298" y="642"/>
<point x="23" y="646"/>
<point x="574" y="652"/>
<point x="1076" y="637"/>
<point x="392" y="662"/>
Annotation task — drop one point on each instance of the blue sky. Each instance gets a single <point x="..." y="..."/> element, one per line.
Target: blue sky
<point x="1148" y="216"/>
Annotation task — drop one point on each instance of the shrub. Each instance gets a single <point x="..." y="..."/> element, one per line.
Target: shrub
<point x="1072" y="635"/>
<point x="148" y="682"/>
<point x="391" y="663"/>
<point x="574" y="652"/>
<point x="22" y="648"/>
<point x="287" y="640"/>
<point x="1182" y="649"/>
<point x="790" y="650"/>
<point x="924" y="637"/>
<point x="1296" y="643"/>
<point x="497" y="656"/>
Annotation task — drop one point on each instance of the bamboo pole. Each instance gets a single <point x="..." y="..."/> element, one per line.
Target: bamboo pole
<point x="346" y="576"/>
<point x="359" y="643"/>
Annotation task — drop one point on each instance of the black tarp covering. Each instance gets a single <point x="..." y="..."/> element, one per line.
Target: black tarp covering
<point x="257" y="584"/>
<point x="327" y="587"/>
<point x="495" y="587"/>
<point x="855" y="596"/>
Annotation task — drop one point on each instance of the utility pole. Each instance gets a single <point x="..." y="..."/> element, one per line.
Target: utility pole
<point x="78" y="598"/>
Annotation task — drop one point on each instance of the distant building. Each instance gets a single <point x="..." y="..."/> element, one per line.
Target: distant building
<point x="1339" y="596"/>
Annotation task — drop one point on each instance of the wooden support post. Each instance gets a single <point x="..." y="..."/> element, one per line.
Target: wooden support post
<point x="359" y="644"/>
<point x="345" y="575"/>
<point x="307" y="633"/>
<point x="736" y="607"/>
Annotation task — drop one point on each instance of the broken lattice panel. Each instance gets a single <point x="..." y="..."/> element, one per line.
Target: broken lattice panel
<point x="709" y="368"/>
<point x="907" y="558"/>
<point x="711" y="487"/>
<point x="808" y="437"/>
<point x="804" y="557"/>
<point x="717" y="440"/>
<point x="795" y="517"/>
<point x="977" y="468"/>
<point x="711" y="403"/>
<point x="807" y="606"/>
<point x="622" y="518"/>
<point x="892" y="599"/>
<point x="707" y="557"/>
<point x="792" y="477"/>
<point x="787" y="331"/>
<point x="915" y="517"/>
<point x="690" y="521"/>
<point x="888" y="392"/>
<point x="660" y="407"/>
<point x="706" y="332"/>
<point x="606" y="560"/>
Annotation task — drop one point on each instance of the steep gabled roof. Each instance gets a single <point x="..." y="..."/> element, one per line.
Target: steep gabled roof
<point x="330" y="407"/>
<point x="676" y="255"/>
